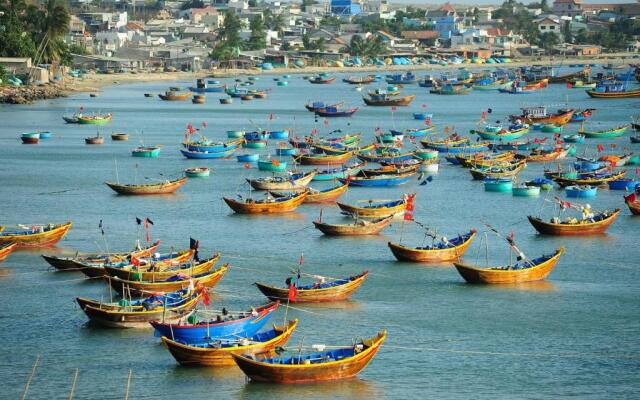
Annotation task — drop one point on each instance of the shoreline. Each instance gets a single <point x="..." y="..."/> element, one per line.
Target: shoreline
<point x="93" y="82"/>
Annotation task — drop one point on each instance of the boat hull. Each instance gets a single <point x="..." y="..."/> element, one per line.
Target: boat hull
<point x="403" y="253"/>
<point x="373" y="228"/>
<point x="148" y="189"/>
<point x="39" y="239"/>
<point x="597" y="228"/>
<point x="334" y="293"/>
<point x="266" y="208"/>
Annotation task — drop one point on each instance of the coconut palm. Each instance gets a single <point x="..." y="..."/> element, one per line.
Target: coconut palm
<point x="51" y="23"/>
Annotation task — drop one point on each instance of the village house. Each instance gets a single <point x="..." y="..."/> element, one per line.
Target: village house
<point x="424" y="38"/>
<point x="570" y="8"/>
<point x="549" y="24"/>
<point x="445" y="21"/>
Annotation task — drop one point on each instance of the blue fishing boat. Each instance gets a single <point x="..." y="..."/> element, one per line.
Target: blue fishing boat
<point x="287" y="151"/>
<point x="45" y="134"/>
<point x="202" y="87"/>
<point x="514" y="145"/>
<point x="421" y="116"/>
<point x="542" y="183"/>
<point x="282" y="134"/>
<point x="415" y="132"/>
<point x="248" y="157"/>
<point x="210" y="146"/>
<point x="236" y="91"/>
<point x="498" y="185"/>
<point x="587" y="165"/>
<point x="623" y="184"/>
<point x="338" y="173"/>
<point x="224" y="325"/>
<point x="378" y="180"/>
<point x="575" y="138"/>
<point x="207" y="154"/>
<point x="582" y="192"/>
<point x="402" y="79"/>
<point x="385" y="154"/>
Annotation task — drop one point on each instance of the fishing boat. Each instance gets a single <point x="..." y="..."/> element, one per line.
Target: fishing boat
<point x="525" y="190"/>
<point x="442" y="249"/>
<point x="358" y="228"/>
<point x="174" y="96"/>
<point x="623" y="184"/>
<point x="206" y="145"/>
<point x="71" y="263"/>
<point x="164" y="187"/>
<point x="362" y="179"/>
<point x="199" y="155"/>
<point x="593" y="179"/>
<point x="500" y="185"/>
<point x="217" y="352"/>
<point x="522" y="271"/>
<point x="198" y="99"/>
<point x="94" y="139"/>
<point x="575" y="138"/>
<point x="180" y="262"/>
<point x="376" y="208"/>
<point x="329" y="195"/>
<point x="595" y="225"/>
<point x="119" y="137"/>
<point x="581" y="191"/>
<point x="266" y="205"/>
<point x="581" y="115"/>
<point x="498" y="172"/>
<point x="97" y="119"/>
<point x="279" y="135"/>
<point x="141" y="288"/>
<point x="6" y="249"/>
<point x="197" y="172"/>
<point x="385" y="155"/>
<point x="319" y="292"/>
<point x="251" y="158"/>
<point x="387" y="100"/>
<point x="203" y="87"/>
<point x="484" y="160"/>
<point x="547" y="155"/>
<point x="148" y="95"/>
<point x="217" y="324"/>
<point x="71" y="119"/>
<point x="551" y="128"/>
<point x="613" y="90"/>
<point x="426" y="154"/>
<point x="226" y="100"/>
<point x="322" y="80"/>
<point x="359" y="80"/>
<point x="272" y="165"/>
<point x="34" y="235"/>
<point x="333" y="112"/>
<point x="542" y="183"/>
<point x="337" y="173"/>
<point x="499" y="133"/>
<point x="632" y="202"/>
<point x="605" y="134"/>
<point x="323" y="159"/>
<point x="146" y="152"/>
<point x="319" y="105"/>
<point x="292" y="182"/>
<point x="45" y="134"/>
<point x="231" y="134"/>
<point x="450" y="89"/>
<point x="30" y="138"/>
<point x="331" y="364"/>
<point x="287" y="151"/>
<point x="138" y="313"/>
<point x="539" y="114"/>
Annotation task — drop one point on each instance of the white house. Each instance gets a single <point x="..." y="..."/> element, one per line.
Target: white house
<point x="549" y="24"/>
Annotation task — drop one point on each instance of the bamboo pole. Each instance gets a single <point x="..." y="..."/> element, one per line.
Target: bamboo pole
<point x="33" y="371"/>
<point x="73" y="384"/>
<point x="126" y="393"/>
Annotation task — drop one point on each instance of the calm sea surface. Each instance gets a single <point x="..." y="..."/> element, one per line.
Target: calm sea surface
<point x="576" y="334"/>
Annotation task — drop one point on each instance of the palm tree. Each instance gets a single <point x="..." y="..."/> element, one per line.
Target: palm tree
<point x="52" y="24"/>
<point x="356" y="46"/>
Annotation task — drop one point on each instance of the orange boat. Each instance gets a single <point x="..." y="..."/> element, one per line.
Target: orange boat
<point x="34" y="236"/>
<point x="448" y="252"/>
<point x="323" y="159"/>
<point x="376" y="209"/>
<point x="266" y="206"/>
<point x="6" y="249"/>
<point x="71" y="263"/>
<point x="165" y="187"/>
<point x="539" y="114"/>
<point x="524" y="271"/>
<point x="174" y="96"/>
<point x="633" y="204"/>
<point x="547" y="156"/>
<point x="326" y="196"/>
<point x="219" y="351"/>
<point x="163" y="269"/>
<point x="144" y="288"/>
<point x="580" y="227"/>
<point x="358" y="228"/>
<point x="335" y="363"/>
<point x="336" y="290"/>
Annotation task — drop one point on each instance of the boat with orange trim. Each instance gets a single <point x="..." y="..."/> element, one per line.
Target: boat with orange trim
<point x="35" y="235"/>
<point x="319" y="292"/>
<point x="449" y="250"/>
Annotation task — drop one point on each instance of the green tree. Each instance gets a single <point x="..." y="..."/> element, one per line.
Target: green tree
<point x="544" y="5"/>
<point x="547" y="40"/>
<point x="230" y="31"/>
<point x="192" y="4"/>
<point x="253" y="3"/>
<point x="257" y="38"/>
<point x="15" y="35"/>
<point x="51" y="26"/>
<point x="374" y="46"/>
<point x="355" y="47"/>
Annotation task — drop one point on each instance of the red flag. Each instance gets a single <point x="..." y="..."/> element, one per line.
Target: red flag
<point x="394" y="109"/>
<point x="301" y="261"/>
<point x="484" y="115"/>
<point x="637" y="171"/>
<point x="247" y="165"/>
<point x="275" y="163"/>
<point x="135" y="261"/>
<point x="205" y="296"/>
<point x="408" y="215"/>
<point x="631" y="198"/>
<point x="600" y="148"/>
<point x="146" y="228"/>
<point x="314" y="131"/>
<point x="559" y="141"/>
<point x="569" y="85"/>
<point x="293" y="292"/>
<point x="409" y="206"/>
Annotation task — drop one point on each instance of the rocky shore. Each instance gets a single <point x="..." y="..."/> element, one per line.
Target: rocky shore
<point x="27" y="94"/>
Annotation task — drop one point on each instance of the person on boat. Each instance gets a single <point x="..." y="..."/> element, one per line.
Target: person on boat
<point x="320" y="281"/>
<point x="587" y="215"/>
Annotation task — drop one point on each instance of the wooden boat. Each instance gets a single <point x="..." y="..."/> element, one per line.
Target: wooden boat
<point x="484" y="160"/>
<point x="539" y="114"/>
<point x="507" y="171"/>
<point x="148" y="152"/>
<point x="138" y="313"/>
<point x="524" y="190"/>
<point x="94" y="140"/>
<point x="30" y="138"/>
<point x="163" y="269"/>
<point x="174" y="96"/>
<point x="297" y="182"/>
<point x="319" y="105"/>
<point x="199" y="155"/>
<point x="539" y="155"/>
<point x="359" y="80"/>
<point x="141" y="288"/>
<point x="449" y="251"/>
<point x="325" y="196"/>
<point x="609" y="93"/>
<point x="336" y="173"/>
<point x="323" y="159"/>
<point x="602" y="222"/>
<point x="217" y="352"/>
<point x="226" y="100"/>
<point x="98" y="119"/>
<point x="206" y="145"/>
<point x="322" y="80"/>
<point x="119" y="137"/>
<point x="334" y="364"/>
<point x="503" y="134"/>
<point x="164" y="187"/>
<point x="269" y="205"/>
<point x="632" y="202"/>
<point x="199" y="99"/>
<point x="389" y="101"/>
<point x="148" y="95"/>
<point x="451" y="90"/>
<point x="358" y="228"/>
<point x="376" y="209"/>
<point x="333" y="290"/>
<point x="197" y="172"/>
<point x="499" y="185"/>
<point x="379" y="180"/>
<point x="589" y="180"/>
<point x="218" y="324"/>
<point x="202" y="87"/>
<point x="34" y="236"/>
<point x="523" y="271"/>
<point x="605" y="134"/>
<point x="6" y="249"/>
<point x="332" y="112"/>
<point x="390" y="155"/>
<point x="71" y="263"/>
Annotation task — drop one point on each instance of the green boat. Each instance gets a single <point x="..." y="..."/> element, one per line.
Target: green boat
<point x="426" y="154"/>
<point x="199" y="172"/>
<point x="97" y="119"/>
<point x="500" y="185"/>
<point x="235" y="134"/>
<point x="551" y="128"/>
<point x="258" y="144"/>
<point x="283" y="83"/>
<point x="272" y="165"/>
<point x="148" y="152"/>
<point x="609" y="133"/>
<point x="502" y="134"/>
<point x="525" y="191"/>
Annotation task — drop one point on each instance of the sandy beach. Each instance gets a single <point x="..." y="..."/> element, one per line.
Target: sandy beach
<point x="93" y="82"/>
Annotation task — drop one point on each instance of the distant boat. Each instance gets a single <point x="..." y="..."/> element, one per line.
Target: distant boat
<point x="150" y="152"/>
<point x="30" y="138"/>
<point x="119" y="137"/>
<point x="164" y="187"/>
<point x="358" y="228"/>
<point x="174" y="96"/>
<point x="94" y="139"/>
<point x="98" y="119"/>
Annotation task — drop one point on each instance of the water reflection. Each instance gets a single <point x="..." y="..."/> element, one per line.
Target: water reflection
<point x="354" y="388"/>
